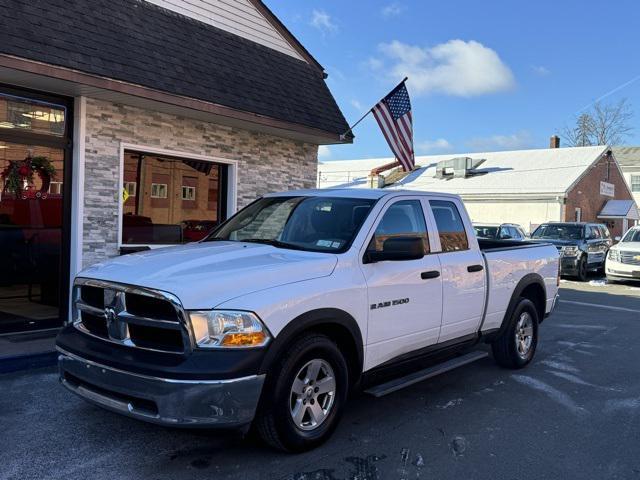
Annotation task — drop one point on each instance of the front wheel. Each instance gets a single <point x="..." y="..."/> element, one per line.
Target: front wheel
<point x="582" y="269"/>
<point x="304" y="395"/>
<point x="516" y="345"/>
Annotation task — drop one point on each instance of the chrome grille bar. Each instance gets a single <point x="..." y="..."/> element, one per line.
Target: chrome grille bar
<point x="119" y="321"/>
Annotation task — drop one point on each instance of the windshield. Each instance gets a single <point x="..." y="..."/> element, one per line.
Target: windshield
<point x="317" y="224"/>
<point x="559" y="232"/>
<point x="632" y="236"/>
<point x="486" y="232"/>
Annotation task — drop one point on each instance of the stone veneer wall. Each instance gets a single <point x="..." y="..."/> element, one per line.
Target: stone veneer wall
<point x="265" y="163"/>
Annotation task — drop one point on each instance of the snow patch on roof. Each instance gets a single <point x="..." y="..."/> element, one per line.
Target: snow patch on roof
<point x="541" y="171"/>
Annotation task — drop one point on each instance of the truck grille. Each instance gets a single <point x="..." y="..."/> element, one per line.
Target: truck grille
<point x="630" y="258"/>
<point x="130" y="316"/>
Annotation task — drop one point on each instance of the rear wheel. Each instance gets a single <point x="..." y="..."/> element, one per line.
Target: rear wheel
<point x="304" y="395"/>
<point x="516" y="345"/>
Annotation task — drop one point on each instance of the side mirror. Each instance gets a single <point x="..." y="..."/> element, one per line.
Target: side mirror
<point x="618" y="238"/>
<point x="397" y="249"/>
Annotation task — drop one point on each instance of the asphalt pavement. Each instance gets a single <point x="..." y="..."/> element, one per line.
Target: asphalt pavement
<point x="574" y="413"/>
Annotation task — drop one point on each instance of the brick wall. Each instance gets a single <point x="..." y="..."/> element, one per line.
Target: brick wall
<point x="586" y="195"/>
<point x="265" y="163"/>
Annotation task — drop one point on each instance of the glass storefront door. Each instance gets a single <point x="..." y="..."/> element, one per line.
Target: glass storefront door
<point x="34" y="152"/>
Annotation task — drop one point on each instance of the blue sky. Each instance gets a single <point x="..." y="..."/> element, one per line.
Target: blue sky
<point x="483" y="75"/>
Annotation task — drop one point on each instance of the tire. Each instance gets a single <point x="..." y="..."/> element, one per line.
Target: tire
<point x="508" y="349"/>
<point x="582" y="269"/>
<point x="279" y="403"/>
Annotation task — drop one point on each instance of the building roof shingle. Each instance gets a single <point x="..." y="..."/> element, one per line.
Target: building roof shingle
<point x="137" y="42"/>
<point x="627" y="156"/>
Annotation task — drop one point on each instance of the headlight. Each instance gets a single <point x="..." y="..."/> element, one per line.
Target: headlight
<point x="614" y="255"/>
<point x="227" y="328"/>
<point x="570" y="251"/>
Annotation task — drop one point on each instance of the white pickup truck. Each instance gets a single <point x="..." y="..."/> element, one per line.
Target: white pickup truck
<point x="294" y="302"/>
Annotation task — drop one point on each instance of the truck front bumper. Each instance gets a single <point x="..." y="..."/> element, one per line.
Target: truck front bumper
<point x="228" y="403"/>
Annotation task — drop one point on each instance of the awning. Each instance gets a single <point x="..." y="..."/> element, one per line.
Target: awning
<point x="620" y="209"/>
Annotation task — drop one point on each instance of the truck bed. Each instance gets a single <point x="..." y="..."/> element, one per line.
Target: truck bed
<point x="487" y="244"/>
<point x="507" y="262"/>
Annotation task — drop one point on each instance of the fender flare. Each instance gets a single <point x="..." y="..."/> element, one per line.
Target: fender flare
<point x="526" y="281"/>
<point x="308" y="321"/>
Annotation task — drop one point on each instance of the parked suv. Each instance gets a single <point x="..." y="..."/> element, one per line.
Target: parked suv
<point x="583" y="246"/>
<point x="623" y="261"/>
<point x="500" y="231"/>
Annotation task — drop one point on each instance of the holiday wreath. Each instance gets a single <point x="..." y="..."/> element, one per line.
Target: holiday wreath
<point x="15" y="174"/>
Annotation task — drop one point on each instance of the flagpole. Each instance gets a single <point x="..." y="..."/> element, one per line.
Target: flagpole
<point x="344" y="135"/>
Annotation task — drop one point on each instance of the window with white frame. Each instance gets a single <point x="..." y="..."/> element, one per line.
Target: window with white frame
<point x="131" y="188"/>
<point x="635" y="183"/>
<point x="171" y="200"/>
<point x="578" y="215"/>
<point x="188" y="193"/>
<point x="158" y="190"/>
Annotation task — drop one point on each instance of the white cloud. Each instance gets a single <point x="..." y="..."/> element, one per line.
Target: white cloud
<point x="324" y="152"/>
<point x="356" y="104"/>
<point x="515" y="141"/>
<point x="374" y="63"/>
<point x="322" y="21"/>
<point x="456" y="67"/>
<point x="392" y="10"/>
<point x="439" y="145"/>
<point x="540" y="70"/>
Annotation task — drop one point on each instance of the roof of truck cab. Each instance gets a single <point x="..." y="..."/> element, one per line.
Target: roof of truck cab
<point x="366" y="193"/>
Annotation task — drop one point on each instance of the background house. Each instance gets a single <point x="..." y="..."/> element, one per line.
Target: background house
<point x="629" y="160"/>
<point x="527" y="187"/>
<point x="160" y="119"/>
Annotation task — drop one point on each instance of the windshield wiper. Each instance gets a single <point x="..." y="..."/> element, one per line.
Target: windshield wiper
<point x="273" y="243"/>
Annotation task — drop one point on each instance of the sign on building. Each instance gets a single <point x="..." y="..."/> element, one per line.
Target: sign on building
<point x="607" y="189"/>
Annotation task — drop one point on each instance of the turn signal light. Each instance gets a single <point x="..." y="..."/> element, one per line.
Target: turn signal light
<point x="243" y="339"/>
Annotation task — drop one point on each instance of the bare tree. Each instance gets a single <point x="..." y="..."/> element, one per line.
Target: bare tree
<point x="608" y="124"/>
<point x="581" y="135"/>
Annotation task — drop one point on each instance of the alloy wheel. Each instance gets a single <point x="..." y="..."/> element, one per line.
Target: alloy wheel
<point x="524" y="334"/>
<point x="312" y="394"/>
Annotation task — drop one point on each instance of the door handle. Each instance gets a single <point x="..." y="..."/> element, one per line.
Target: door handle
<point x="430" y="274"/>
<point x="475" y="268"/>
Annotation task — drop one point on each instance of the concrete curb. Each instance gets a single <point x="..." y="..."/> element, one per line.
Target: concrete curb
<point x="28" y="362"/>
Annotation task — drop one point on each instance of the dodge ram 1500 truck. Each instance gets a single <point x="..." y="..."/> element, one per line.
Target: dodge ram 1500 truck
<point x="295" y="301"/>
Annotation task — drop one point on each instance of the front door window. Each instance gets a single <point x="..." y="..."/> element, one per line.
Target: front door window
<point x="32" y="180"/>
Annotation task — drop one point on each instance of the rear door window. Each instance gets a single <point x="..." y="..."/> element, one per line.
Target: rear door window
<point x="453" y="236"/>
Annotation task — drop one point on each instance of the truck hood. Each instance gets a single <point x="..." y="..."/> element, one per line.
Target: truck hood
<point x="203" y="275"/>
<point x="628" y="246"/>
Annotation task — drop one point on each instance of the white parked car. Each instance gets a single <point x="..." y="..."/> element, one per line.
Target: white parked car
<point x="297" y="300"/>
<point x="623" y="261"/>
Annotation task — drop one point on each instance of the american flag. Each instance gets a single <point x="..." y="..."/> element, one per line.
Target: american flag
<point x="393" y="114"/>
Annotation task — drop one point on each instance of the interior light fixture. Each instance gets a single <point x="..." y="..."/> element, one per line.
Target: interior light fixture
<point x="7" y="125"/>
<point x="46" y="116"/>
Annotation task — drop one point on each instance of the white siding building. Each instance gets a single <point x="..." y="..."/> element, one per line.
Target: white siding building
<point x="629" y="159"/>
<point x="527" y="187"/>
